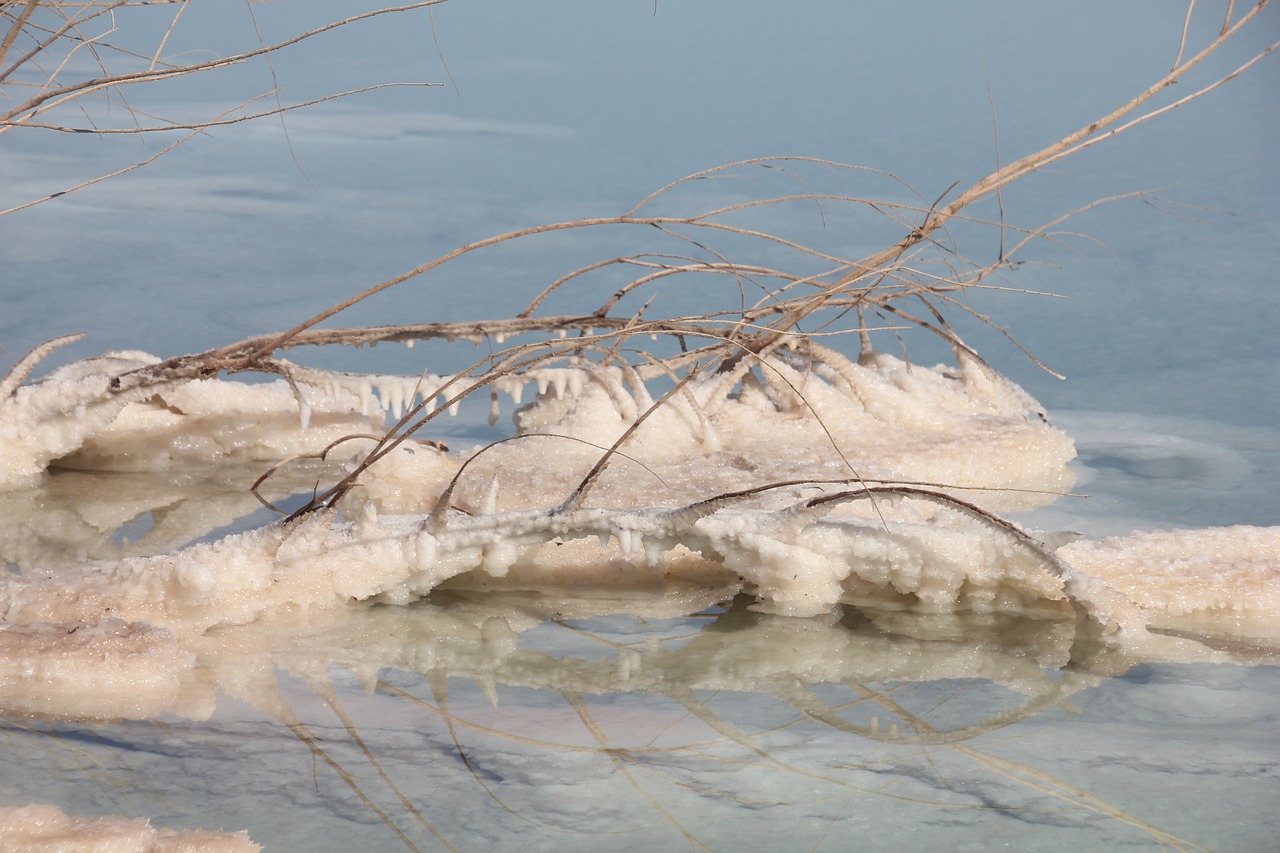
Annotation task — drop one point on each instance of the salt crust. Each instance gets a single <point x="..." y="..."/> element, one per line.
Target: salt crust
<point x="1222" y="581"/>
<point x="880" y="418"/>
<point x="43" y="828"/>
<point x="812" y="417"/>
<point x="77" y="635"/>
<point x="72" y="419"/>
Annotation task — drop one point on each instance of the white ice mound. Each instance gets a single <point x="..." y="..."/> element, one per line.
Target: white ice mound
<point x="51" y="418"/>
<point x="80" y="416"/>
<point x="801" y="560"/>
<point x="810" y="415"/>
<point x="1221" y="582"/>
<point x="191" y="424"/>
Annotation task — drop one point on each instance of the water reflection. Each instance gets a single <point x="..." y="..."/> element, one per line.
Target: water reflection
<point x="595" y="718"/>
<point x="591" y="717"/>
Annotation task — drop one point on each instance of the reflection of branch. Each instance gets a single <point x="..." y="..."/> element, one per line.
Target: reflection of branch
<point x="584" y="714"/>
<point x="330" y="697"/>
<point x="1049" y="696"/>
<point x="312" y="742"/>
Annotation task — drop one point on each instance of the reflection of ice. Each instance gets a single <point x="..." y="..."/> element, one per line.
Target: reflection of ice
<point x="33" y="828"/>
<point x="472" y="717"/>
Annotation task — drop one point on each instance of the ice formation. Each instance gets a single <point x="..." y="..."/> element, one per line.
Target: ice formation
<point x="809" y="483"/>
<point x="40" y="828"/>
<point x="966" y="429"/>
<point x="1218" y="582"/>
<point x="863" y="496"/>
<point x="73" y="418"/>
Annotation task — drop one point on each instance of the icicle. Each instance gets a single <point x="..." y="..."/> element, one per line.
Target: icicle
<point x="652" y="552"/>
<point x="424" y="551"/>
<point x="368" y="523"/>
<point x="304" y="412"/>
<point x="409" y="343"/>
<point x="366" y="396"/>
<point x="389" y="399"/>
<point x="623" y="536"/>
<point x="404" y="394"/>
<point x="489" y="689"/>
<point x="576" y="380"/>
<point x="496" y="558"/>
<point x="490" y="504"/>
<point x="513" y="386"/>
<point x="495" y="411"/>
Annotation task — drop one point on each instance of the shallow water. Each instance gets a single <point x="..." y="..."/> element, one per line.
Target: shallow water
<point x="736" y="729"/>
<point x="907" y="742"/>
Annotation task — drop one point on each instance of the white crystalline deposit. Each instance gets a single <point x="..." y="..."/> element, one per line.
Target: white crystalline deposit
<point x="43" y="828"/>
<point x="76" y="670"/>
<point x="798" y="561"/>
<point x="46" y="420"/>
<point x="801" y="549"/>
<point x="1222" y="581"/>
<point x="203" y="420"/>
<point x="967" y="429"/>
<point x="72" y="419"/>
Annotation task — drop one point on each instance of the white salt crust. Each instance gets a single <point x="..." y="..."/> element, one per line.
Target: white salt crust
<point x="43" y="828"/>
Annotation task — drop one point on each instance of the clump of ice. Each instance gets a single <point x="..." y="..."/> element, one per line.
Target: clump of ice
<point x="45" y="420"/>
<point x="687" y="501"/>
<point x="798" y="561"/>
<point x="967" y="429"/>
<point x="43" y="828"/>
<point x="1221" y="582"/>
<point x="75" y="418"/>
<point x="75" y="670"/>
<point x="209" y="419"/>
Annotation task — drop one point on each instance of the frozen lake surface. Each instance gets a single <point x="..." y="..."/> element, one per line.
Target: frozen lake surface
<point x="620" y="722"/>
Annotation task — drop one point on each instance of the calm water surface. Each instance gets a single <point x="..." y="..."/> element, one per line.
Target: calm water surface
<point x="612" y="728"/>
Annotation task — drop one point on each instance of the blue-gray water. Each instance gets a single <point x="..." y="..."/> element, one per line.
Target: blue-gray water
<point x="573" y="109"/>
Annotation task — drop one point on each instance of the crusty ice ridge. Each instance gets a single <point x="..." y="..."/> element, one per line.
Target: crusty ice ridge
<point x="132" y="637"/>
<point x="799" y="561"/>
<point x="793" y="447"/>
